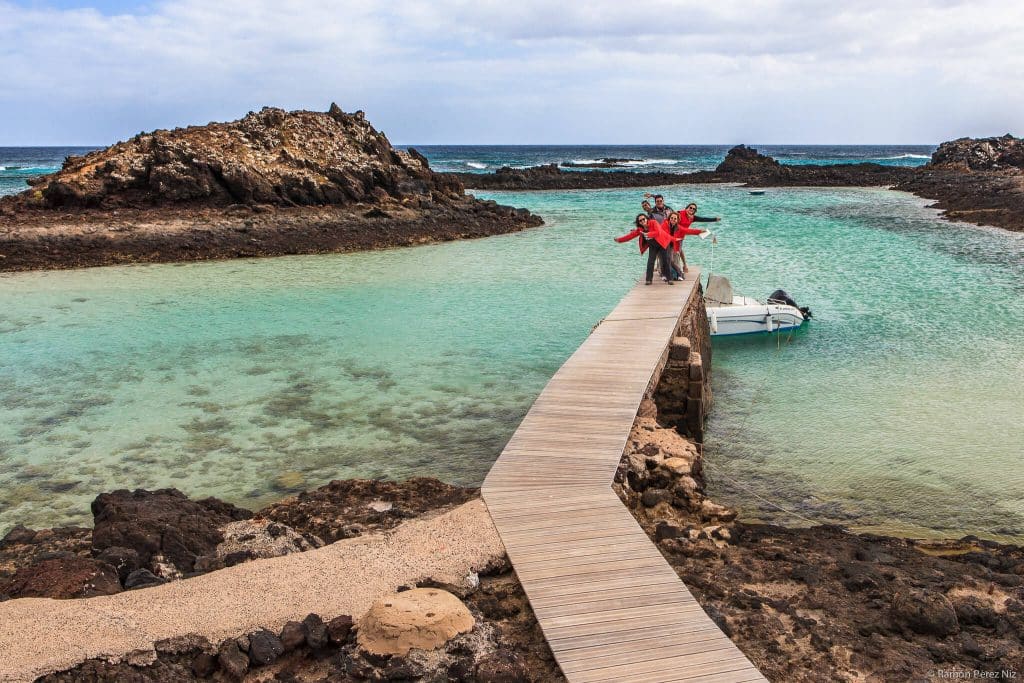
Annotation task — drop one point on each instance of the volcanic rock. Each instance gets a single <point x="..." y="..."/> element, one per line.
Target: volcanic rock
<point x="749" y="163"/>
<point x="269" y="157"/>
<point x="271" y="183"/>
<point x="925" y="612"/>
<point x="63" y="577"/>
<point x="161" y="523"/>
<point x="264" y="647"/>
<point x="985" y="154"/>
<point x="341" y="510"/>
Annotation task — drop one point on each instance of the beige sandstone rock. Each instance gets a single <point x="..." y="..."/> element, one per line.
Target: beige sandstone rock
<point x="423" y="618"/>
<point x="677" y="466"/>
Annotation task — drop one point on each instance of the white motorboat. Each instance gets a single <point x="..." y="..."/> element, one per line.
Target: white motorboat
<point x="731" y="314"/>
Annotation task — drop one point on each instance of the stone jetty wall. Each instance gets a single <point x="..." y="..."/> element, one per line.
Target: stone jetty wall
<point x="681" y="386"/>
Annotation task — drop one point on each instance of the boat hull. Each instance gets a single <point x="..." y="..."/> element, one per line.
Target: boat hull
<point x="749" y="316"/>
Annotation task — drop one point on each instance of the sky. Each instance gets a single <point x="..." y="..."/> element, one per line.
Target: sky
<point x="92" y="72"/>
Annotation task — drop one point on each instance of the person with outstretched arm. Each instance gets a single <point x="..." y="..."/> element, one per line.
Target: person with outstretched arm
<point x="678" y="232"/>
<point x="651" y="238"/>
<point x="687" y="218"/>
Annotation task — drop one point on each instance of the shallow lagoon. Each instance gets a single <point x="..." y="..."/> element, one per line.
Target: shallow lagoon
<point x="899" y="409"/>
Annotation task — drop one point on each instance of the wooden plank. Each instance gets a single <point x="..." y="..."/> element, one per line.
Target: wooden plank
<point x="610" y="606"/>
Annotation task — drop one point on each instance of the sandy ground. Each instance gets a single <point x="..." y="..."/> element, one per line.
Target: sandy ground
<point x="39" y="635"/>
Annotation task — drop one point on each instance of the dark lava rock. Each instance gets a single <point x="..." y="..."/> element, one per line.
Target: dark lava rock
<point x="234" y="662"/>
<point x="264" y="647"/>
<point x="142" y="578"/>
<point x="339" y="628"/>
<point x="973" y="612"/>
<point x="124" y="560"/>
<point x="652" y="497"/>
<point x="925" y="612"/>
<point x="269" y="157"/>
<point x="503" y="667"/>
<point x="179" y="644"/>
<point x="316" y="632"/>
<point x="163" y="522"/>
<point x="203" y="665"/>
<point x="293" y="634"/>
<point x="984" y="154"/>
<point x="19" y="534"/>
<point x="859" y="576"/>
<point x="63" y="577"/>
<point x="749" y="163"/>
<point x="666" y="530"/>
<point x="340" y="509"/>
<point x="398" y="669"/>
<point x="807" y="574"/>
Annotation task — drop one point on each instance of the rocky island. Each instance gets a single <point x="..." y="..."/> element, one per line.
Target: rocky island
<point x="272" y="183"/>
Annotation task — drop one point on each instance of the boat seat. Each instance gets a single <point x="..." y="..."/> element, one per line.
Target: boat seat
<point x="719" y="291"/>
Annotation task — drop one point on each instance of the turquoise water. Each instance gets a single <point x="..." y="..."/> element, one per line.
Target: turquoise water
<point x="899" y="408"/>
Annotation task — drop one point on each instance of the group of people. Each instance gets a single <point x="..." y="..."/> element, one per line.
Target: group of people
<point x="660" y="232"/>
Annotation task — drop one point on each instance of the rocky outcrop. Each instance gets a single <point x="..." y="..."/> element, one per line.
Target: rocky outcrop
<point x="272" y="183"/>
<point x="269" y="157"/>
<point x="167" y="529"/>
<point x="551" y="177"/>
<point x="742" y="164"/>
<point x="63" y="577"/>
<point x="977" y="181"/>
<point x="347" y="508"/>
<point x="1004" y="153"/>
<point x="749" y="163"/>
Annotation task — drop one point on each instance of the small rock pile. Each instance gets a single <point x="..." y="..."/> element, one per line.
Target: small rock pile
<point x="660" y="478"/>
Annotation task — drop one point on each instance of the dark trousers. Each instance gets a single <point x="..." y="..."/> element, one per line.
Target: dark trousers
<point x="656" y="252"/>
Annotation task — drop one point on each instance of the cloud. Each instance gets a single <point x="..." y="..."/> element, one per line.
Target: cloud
<point x="531" y="71"/>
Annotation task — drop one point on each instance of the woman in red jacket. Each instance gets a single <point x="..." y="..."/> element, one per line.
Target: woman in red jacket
<point x="654" y="237"/>
<point x="679" y="229"/>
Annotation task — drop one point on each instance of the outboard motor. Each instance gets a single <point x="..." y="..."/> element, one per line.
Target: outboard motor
<point x="779" y="296"/>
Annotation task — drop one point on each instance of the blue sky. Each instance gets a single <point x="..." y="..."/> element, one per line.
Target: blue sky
<point x="530" y="72"/>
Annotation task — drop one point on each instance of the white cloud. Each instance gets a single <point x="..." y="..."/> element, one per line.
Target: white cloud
<point x="531" y="71"/>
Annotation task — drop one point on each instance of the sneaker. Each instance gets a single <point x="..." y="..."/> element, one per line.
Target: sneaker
<point x="670" y="282"/>
<point x="648" y="282"/>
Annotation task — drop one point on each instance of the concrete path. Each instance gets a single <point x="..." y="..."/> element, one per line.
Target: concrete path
<point x="40" y="635"/>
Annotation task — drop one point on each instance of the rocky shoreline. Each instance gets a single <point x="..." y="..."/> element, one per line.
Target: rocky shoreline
<point x="978" y="181"/>
<point x="270" y="184"/>
<point x="803" y="604"/>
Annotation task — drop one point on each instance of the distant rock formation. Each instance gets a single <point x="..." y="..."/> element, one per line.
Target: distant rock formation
<point x="1004" y="153"/>
<point x="273" y="157"/>
<point x="272" y="183"/>
<point x="748" y="161"/>
<point x="975" y="180"/>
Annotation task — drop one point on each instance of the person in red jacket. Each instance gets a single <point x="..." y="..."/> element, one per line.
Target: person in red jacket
<point x="655" y="238"/>
<point x="677" y="230"/>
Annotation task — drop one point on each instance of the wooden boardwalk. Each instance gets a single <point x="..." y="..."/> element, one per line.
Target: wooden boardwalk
<point x="610" y="606"/>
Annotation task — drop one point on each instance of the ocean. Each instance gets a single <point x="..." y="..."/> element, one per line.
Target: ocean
<point x="896" y="410"/>
<point x="17" y="164"/>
